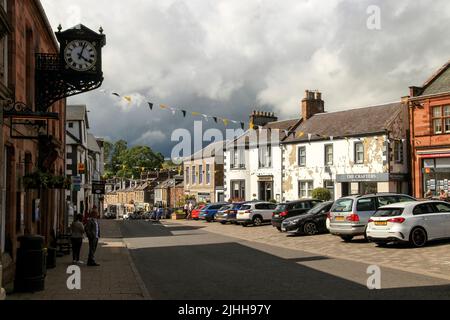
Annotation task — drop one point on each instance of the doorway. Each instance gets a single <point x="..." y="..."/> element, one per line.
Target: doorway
<point x="266" y="191"/>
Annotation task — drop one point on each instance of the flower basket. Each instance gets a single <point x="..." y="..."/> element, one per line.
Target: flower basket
<point x="42" y="180"/>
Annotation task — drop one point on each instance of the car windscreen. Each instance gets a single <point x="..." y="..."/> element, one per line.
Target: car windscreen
<point x="319" y="208"/>
<point x="245" y="207"/>
<point x="236" y="206"/>
<point x="390" y="212"/>
<point x="343" y="205"/>
<point x="225" y="208"/>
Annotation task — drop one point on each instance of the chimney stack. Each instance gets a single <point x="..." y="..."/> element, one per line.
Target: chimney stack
<point x="312" y="104"/>
<point x="260" y="119"/>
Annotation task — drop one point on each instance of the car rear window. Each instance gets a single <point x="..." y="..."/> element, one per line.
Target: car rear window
<point x="281" y="207"/>
<point x="225" y="208"/>
<point x="365" y="205"/>
<point x="236" y="206"/>
<point x="343" y="205"/>
<point x="391" y="212"/>
<point x="245" y="207"/>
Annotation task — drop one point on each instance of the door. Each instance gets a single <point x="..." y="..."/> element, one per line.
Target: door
<point x="444" y="210"/>
<point x="365" y="209"/>
<point x="265" y="191"/>
<point x="430" y="220"/>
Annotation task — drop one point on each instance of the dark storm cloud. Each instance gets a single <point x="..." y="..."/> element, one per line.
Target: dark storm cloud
<point x="227" y="57"/>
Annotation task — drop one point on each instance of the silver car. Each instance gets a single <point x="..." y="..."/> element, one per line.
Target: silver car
<point x="255" y="213"/>
<point x="350" y="216"/>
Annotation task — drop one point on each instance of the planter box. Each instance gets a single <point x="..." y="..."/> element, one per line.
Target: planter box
<point x="176" y="216"/>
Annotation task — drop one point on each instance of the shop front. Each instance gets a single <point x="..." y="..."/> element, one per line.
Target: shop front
<point x="369" y="183"/>
<point x="435" y="174"/>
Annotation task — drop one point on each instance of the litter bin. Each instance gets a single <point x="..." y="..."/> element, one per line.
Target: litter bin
<point x="51" y="258"/>
<point x="31" y="266"/>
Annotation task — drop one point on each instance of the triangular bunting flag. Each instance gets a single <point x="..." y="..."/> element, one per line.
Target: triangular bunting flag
<point x="150" y="106"/>
<point x="216" y="119"/>
<point x="309" y="136"/>
<point x="195" y="113"/>
<point x="116" y="94"/>
<point x="184" y="113"/>
<point x="242" y="125"/>
<point x="163" y="107"/>
<point x="225" y="122"/>
<point x="127" y="98"/>
<point x="301" y="134"/>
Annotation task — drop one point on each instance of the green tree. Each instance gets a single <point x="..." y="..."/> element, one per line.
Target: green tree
<point x="119" y="149"/>
<point x="108" y="149"/>
<point x="132" y="162"/>
<point x="321" y="194"/>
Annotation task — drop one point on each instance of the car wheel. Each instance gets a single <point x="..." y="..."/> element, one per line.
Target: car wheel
<point x="223" y="222"/>
<point x="418" y="237"/>
<point x="347" y="238"/>
<point x="257" y="221"/>
<point x="310" y="229"/>
<point x="245" y="225"/>
<point x="279" y="229"/>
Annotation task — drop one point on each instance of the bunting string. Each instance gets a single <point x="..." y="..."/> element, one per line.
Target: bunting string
<point x="251" y="126"/>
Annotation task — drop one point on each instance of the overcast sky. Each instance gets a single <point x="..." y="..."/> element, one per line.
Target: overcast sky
<point x="228" y="57"/>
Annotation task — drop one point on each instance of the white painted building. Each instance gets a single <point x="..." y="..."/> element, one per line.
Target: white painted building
<point x="253" y="163"/>
<point x="357" y="151"/>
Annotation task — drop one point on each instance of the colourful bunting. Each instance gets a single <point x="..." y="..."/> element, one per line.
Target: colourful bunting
<point x="128" y="98"/>
<point x="301" y="134"/>
<point x="184" y="113"/>
<point x="150" y="105"/>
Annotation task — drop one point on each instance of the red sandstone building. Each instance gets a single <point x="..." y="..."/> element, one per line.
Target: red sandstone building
<point x="430" y="134"/>
<point x="26" y="32"/>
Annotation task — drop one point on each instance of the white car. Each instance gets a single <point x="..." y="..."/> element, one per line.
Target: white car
<point x="410" y="222"/>
<point x="255" y="213"/>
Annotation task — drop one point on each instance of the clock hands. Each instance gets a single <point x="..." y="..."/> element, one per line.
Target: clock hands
<point x="80" y="55"/>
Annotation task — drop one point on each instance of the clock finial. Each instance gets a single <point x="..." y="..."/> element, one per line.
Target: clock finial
<point x="59" y="28"/>
<point x="101" y="30"/>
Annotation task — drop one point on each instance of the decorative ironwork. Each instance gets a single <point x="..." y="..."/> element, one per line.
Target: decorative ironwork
<point x="22" y="115"/>
<point x="54" y="83"/>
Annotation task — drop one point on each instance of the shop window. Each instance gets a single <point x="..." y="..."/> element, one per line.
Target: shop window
<point x="238" y="190"/>
<point x="329" y="185"/>
<point x="436" y="176"/>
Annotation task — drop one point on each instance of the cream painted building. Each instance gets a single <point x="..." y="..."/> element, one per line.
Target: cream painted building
<point x="203" y="174"/>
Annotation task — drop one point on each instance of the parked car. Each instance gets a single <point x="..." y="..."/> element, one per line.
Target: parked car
<point x="350" y="215"/>
<point x="209" y="212"/>
<point x="255" y="213"/>
<point x="196" y="212"/>
<point x="310" y="223"/>
<point x="291" y="209"/>
<point x="413" y="222"/>
<point x="228" y="213"/>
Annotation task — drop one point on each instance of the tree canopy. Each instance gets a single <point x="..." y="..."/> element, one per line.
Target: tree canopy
<point x="124" y="162"/>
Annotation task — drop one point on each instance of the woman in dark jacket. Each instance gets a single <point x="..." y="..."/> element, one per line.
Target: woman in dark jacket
<point x="77" y="229"/>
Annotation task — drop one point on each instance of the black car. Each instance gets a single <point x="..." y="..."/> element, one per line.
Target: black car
<point x="310" y="223"/>
<point x="292" y="209"/>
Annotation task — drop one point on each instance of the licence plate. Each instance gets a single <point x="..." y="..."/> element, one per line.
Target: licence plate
<point x="381" y="223"/>
<point x="340" y="219"/>
<point x="276" y="216"/>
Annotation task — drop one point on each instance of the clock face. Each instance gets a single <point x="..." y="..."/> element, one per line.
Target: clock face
<point x="80" y="55"/>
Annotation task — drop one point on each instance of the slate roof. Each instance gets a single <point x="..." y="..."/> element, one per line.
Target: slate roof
<point x="93" y="144"/>
<point x="439" y="82"/>
<point x="77" y="113"/>
<point x="354" y="122"/>
<point x="209" y="151"/>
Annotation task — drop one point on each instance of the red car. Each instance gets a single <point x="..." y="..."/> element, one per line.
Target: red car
<point x="196" y="211"/>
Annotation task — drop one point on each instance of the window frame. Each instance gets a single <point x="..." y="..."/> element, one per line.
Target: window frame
<point x="208" y="174"/>
<point x="188" y="177"/>
<point x="359" y="143"/>
<point x="193" y="175"/>
<point x="200" y="174"/>
<point x="299" y="160"/>
<point x="265" y="156"/>
<point x="327" y="162"/>
<point x="309" y="188"/>
<point x="441" y="119"/>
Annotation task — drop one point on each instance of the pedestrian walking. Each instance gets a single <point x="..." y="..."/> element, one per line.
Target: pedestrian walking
<point x="77" y="231"/>
<point x="429" y="195"/>
<point x="190" y="209"/>
<point x="186" y="209"/>
<point x="92" y="230"/>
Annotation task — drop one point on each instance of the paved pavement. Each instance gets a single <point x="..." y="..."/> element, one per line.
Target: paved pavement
<point x="433" y="260"/>
<point x="193" y="260"/>
<point x="115" y="279"/>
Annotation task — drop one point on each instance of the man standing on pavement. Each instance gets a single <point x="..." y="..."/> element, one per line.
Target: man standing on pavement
<point x="92" y="229"/>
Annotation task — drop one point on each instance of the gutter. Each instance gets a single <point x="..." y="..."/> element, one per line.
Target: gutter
<point x="430" y="96"/>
